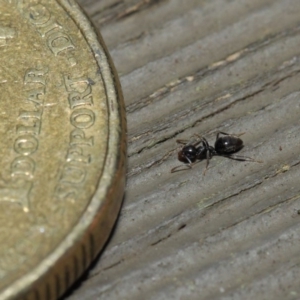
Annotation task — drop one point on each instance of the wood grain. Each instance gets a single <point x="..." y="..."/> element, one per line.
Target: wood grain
<point x="199" y="66"/>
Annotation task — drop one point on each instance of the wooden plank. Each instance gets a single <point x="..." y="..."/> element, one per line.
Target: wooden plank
<point x="200" y="66"/>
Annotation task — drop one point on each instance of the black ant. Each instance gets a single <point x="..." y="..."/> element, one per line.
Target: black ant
<point x="225" y="146"/>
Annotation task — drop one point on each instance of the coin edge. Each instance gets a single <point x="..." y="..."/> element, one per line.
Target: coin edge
<point x="67" y="262"/>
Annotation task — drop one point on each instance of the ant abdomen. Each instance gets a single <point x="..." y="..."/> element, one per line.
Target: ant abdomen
<point x="228" y="144"/>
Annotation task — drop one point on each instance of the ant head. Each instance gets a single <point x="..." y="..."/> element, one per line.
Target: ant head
<point x="188" y="154"/>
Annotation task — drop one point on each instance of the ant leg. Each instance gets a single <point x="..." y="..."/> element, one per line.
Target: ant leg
<point x="198" y="136"/>
<point x="201" y="140"/>
<point x="241" y="158"/>
<point x="183" y="142"/>
<point x="187" y="142"/>
<point x="205" y="143"/>
<point x="208" y="157"/>
<point x="224" y="133"/>
<point x="183" y="167"/>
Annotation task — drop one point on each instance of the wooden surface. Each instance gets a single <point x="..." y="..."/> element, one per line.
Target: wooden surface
<point x="198" y="66"/>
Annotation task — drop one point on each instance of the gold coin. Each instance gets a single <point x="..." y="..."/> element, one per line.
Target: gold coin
<point x="62" y="147"/>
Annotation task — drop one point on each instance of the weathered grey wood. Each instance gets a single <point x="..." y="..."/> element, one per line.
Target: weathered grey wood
<point x="199" y="66"/>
